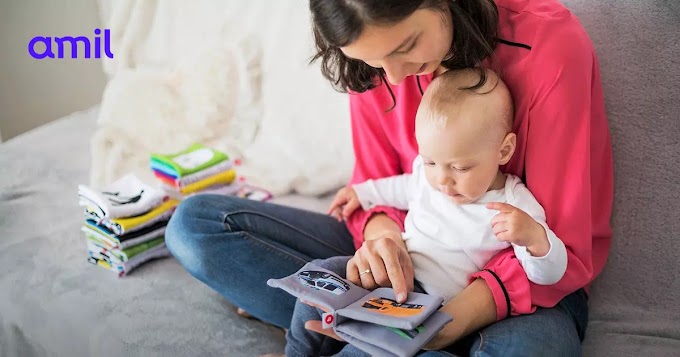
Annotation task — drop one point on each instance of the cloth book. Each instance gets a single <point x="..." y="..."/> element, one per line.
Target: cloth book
<point x="125" y="225"/>
<point x="122" y="255"/>
<point x="103" y="257"/>
<point x="220" y="178"/>
<point x="254" y="193"/>
<point x="111" y="240"/>
<point x="178" y="183"/>
<point x="236" y="188"/>
<point x="370" y="320"/>
<point x="186" y="162"/>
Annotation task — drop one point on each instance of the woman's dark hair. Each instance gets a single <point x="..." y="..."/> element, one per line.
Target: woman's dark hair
<point x="336" y="23"/>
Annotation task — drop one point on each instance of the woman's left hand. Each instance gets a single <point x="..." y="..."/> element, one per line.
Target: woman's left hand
<point x="435" y="344"/>
<point x="317" y="326"/>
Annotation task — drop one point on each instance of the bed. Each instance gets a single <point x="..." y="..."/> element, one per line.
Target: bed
<point x="54" y="303"/>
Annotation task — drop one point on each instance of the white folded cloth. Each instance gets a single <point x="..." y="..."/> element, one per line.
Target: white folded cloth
<point x="126" y="197"/>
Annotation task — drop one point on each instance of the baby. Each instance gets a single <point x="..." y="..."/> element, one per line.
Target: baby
<point x="462" y="210"/>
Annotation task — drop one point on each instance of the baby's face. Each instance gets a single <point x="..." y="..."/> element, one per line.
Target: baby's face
<point x="458" y="162"/>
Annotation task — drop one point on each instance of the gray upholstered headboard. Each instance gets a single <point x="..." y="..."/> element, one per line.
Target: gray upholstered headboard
<point x="636" y="301"/>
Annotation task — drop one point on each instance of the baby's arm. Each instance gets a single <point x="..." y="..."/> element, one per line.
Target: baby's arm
<point x="522" y="222"/>
<point x="389" y="191"/>
<point x="394" y="191"/>
<point x="381" y="192"/>
<point x="547" y="269"/>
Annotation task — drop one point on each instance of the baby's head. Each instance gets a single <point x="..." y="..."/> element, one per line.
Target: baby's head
<point x="464" y="135"/>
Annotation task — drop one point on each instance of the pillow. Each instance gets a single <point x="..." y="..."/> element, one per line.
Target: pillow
<point x="233" y="75"/>
<point x="304" y="143"/>
<point x="210" y="96"/>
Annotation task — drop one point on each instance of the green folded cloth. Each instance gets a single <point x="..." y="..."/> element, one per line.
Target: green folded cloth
<point x="194" y="159"/>
<point x="123" y="255"/>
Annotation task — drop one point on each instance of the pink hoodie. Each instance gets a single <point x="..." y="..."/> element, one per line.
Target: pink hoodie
<point x="563" y="145"/>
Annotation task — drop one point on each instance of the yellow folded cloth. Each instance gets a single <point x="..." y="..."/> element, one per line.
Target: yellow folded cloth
<point x="129" y="223"/>
<point x="222" y="178"/>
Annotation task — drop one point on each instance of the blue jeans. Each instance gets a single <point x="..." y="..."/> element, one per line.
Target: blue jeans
<point x="234" y="245"/>
<point x="556" y="331"/>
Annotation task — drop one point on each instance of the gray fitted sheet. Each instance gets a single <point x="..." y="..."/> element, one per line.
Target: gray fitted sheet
<point x="54" y="303"/>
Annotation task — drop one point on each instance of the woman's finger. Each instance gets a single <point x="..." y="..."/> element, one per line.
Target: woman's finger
<point x="324" y="308"/>
<point x="378" y="271"/>
<point x="406" y="265"/>
<point x="366" y="273"/>
<point x="395" y="274"/>
<point x="317" y="326"/>
<point x="353" y="272"/>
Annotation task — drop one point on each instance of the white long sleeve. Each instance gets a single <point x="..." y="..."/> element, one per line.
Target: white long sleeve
<point x="390" y="191"/>
<point x="550" y="268"/>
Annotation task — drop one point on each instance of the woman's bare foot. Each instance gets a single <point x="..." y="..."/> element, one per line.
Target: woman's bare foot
<point x="243" y="313"/>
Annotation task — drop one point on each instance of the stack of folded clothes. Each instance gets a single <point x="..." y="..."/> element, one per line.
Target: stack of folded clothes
<point x="125" y="223"/>
<point x="202" y="170"/>
<point x="198" y="169"/>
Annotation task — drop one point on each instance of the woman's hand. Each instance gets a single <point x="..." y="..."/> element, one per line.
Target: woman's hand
<point x="382" y="261"/>
<point x="317" y="326"/>
<point x="472" y="309"/>
<point x="436" y="343"/>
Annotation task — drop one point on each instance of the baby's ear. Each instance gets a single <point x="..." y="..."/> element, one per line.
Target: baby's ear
<point x="508" y="148"/>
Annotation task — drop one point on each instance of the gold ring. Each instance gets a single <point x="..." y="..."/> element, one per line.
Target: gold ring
<point x="365" y="272"/>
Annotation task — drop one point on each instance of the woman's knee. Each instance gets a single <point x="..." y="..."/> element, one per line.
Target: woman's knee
<point x="196" y="220"/>
<point x="547" y="332"/>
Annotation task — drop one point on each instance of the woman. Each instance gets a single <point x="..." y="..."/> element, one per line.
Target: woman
<point x="386" y="53"/>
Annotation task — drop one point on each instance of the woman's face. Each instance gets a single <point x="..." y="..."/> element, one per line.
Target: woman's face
<point x="415" y="45"/>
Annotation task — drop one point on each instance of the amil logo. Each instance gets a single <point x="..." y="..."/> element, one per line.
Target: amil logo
<point x="59" y="44"/>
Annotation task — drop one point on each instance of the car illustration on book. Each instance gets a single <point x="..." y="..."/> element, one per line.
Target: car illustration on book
<point x="392" y="307"/>
<point x="321" y="280"/>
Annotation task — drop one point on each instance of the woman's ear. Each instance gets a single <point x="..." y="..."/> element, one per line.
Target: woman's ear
<point x="508" y="148"/>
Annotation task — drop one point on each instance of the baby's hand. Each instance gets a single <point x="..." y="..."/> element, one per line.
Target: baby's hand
<point x="513" y="225"/>
<point x="345" y="202"/>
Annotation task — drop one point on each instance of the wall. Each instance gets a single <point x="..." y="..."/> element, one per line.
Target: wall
<point x="34" y="92"/>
